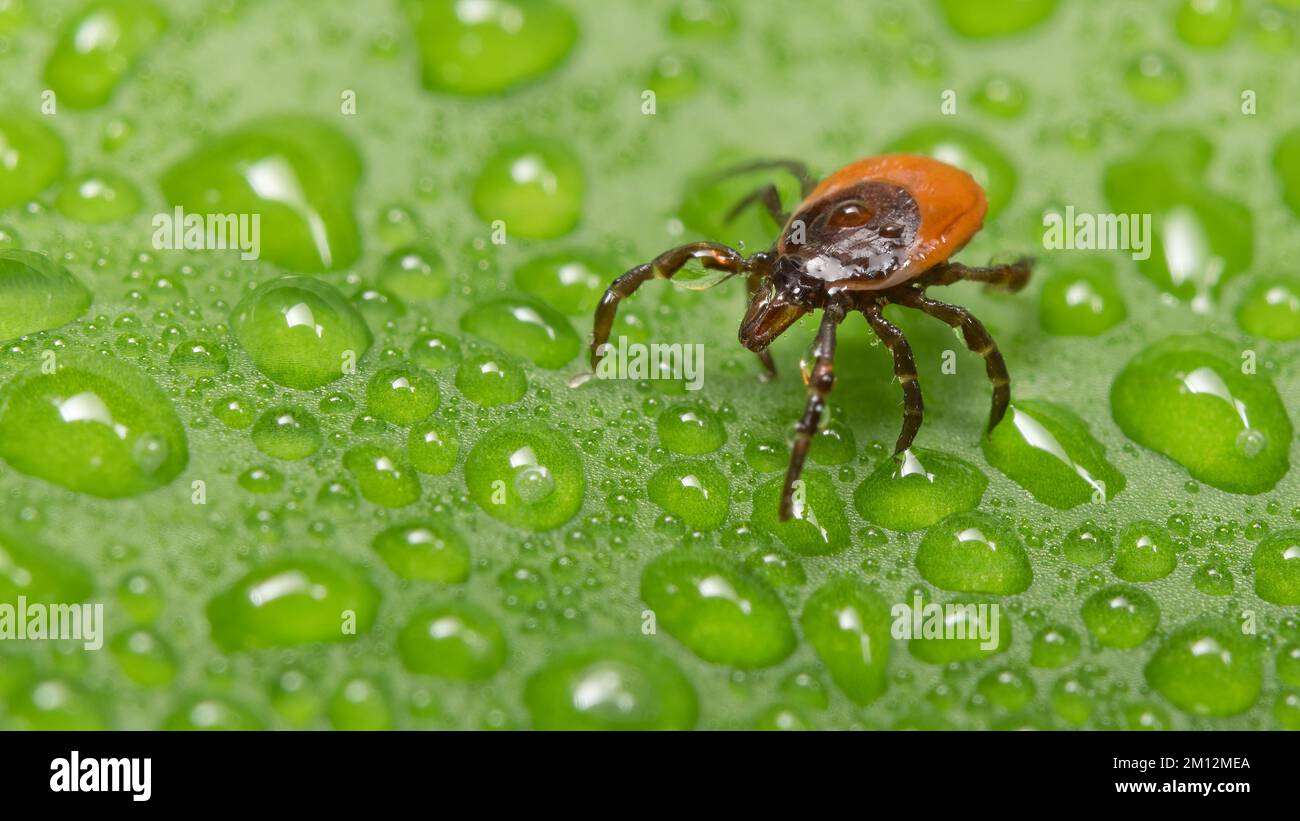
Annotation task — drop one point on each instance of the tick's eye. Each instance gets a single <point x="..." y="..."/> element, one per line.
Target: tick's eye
<point x="850" y="215"/>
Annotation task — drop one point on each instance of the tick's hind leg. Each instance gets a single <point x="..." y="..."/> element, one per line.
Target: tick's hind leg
<point x="711" y="254"/>
<point x="1010" y="277"/>
<point x="820" y="382"/>
<point x="977" y="340"/>
<point x="904" y="369"/>
<point x="798" y="169"/>
<point x="771" y="199"/>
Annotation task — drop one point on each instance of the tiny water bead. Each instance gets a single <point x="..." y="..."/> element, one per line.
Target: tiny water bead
<point x="297" y="174"/>
<point x="287" y="433"/>
<point x="211" y="714"/>
<point x="1120" y="616"/>
<point x="1214" y="578"/>
<point x="200" y="358"/>
<point x="1198" y="238"/>
<point x="360" y="704"/>
<point x="691" y="429"/>
<point x="36" y="293"/>
<point x="694" y="491"/>
<point x="719" y="610"/>
<point x="611" y="684"/>
<point x="491" y="379"/>
<point x="98" y="198"/>
<point x="527" y="475"/>
<point x="848" y="624"/>
<point x="94" y="425"/>
<point x="1055" y="646"/>
<point x="1005" y="689"/>
<point x="415" y="273"/>
<point x="1207" y="668"/>
<point x="918" y="488"/>
<point x="34" y="158"/>
<point x="31" y="569"/>
<point x="424" y="551"/>
<point x="1187" y="397"/>
<point x="834" y="444"/>
<point x="672" y="78"/>
<point x="1271" y="309"/>
<point x="962" y="630"/>
<point x="1277" y="568"/>
<point x="1155" y="78"/>
<point x="571" y="282"/>
<point x="402" y="395"/>
<point x="301" y="332"/>
<point x="384" y="478"/>
<point x="524" y="328"/>
<point x="144" y="657"/>
<point x="452" y="641"/>
<point x="489" y="46"/>
<point x="435" y="351"/>
<point x="234" y="412"/>
<point x="294" y="600"/>
<point x="1145" y="553"/>
<point x="98" y="46"/>
<point x="536" y="188"/>
<point x="969" y="151"/>
<point x="1206" y="23"/>
<point x="708" y="19"/>
<point x="817" y="526"/>
<point x="979" y="19"/>
<point x="1081" y="300"/>
<point x="974" y="552"/>
<point x="1087" y="545"/>
<point x="1002" y="96"/>
<point x="260" y="480"/>
<point x="1046" y="449"/>
<point x="432" y="446"/>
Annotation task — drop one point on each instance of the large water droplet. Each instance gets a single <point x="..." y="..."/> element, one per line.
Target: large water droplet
<point x="527" y="475"/>
<point x="918" y="488"/>
<point x="1207" y="668"/>
<point x="98" y="46"/>
<point x="37" y="294"/>
<point x="974" y="553"/>
<point x="848" y="624"/>
<point x="524" y="328"/>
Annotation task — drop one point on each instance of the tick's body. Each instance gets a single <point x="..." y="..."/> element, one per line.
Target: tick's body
<point x="877" y="231"/>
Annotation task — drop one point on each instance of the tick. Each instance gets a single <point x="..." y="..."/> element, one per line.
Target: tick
<point x="876" y="232"/>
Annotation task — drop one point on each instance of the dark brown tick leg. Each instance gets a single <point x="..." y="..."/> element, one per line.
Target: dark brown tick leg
<point x="764" y="356"/>
<point x="711" y="254"/>
<point x="1010" y="277"/>
<point x="798" y="169"/>
<point x="820" y="382"/>
<point x="771" y="199"/>
<point x="904" y="369"/>
<point x="977" y="339"/>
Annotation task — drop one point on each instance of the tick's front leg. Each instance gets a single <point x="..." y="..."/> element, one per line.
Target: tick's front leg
<point x="820" y="381"/>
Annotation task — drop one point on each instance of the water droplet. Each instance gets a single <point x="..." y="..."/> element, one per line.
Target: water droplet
<point x="707" y="19"/>
<point x="571" y="282"/>
<point x="36" y="293"/>
<point x="536" y="188"/>
<point x="1271" y="309"/>
<point x="34" y="158"/>
<point x="30" y="569"/>
<point x="424" y="551"/>
<point x="817" y="525"/>
<point x="611" y="684"/>
<point x="527" y="475"/>
<point x="524" y="328"/>
<point x="384" y="478"/>
<point x="1145" y="553"/>
<point x="98" y="46"/>
<point x="144" y="657"/>
<point x="1081" y="300"/>
<point x="695" y="492"/>
<point x="1277" y="568"/>
<point x="211" y="714"/>
<point x="117" y="433"/>
<point x="490" y="379"/>
<point x="1087" y="545"/>
<point x="978" y="19"/>
<point x="360" y="704"/>
<point x="98" y="198"/>
<point x="1055" y="646"/>
<point x="416" y="273"/>
<point x="435" y="351"/>
<point x="1206" y="23"/>
<point x="453" y="641"/>
<point x="287" y="433"/>
<point x="199" y="358"/>
<point x="293" y="600"/>
<point x="691" y="429"/>
<point x="1046" y="449"/>
<point x="974" y="553"/>
<point x="402" y="395"/>
<point x="300" y="332"/>
<point x="1207" y="668"/>
<point x="848" y="624"/>
<point x="717" y="609"/>
<point x="489" y="46"/>
<point x="1120" y="616"/>
<point x="1155" y="78"/>
<point x="957" y="634"/>
<point x="297" y="173"/>
<point x="432" y="446"/>
<point x="918" y="488"/>
<point x="1186" y="397"/>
